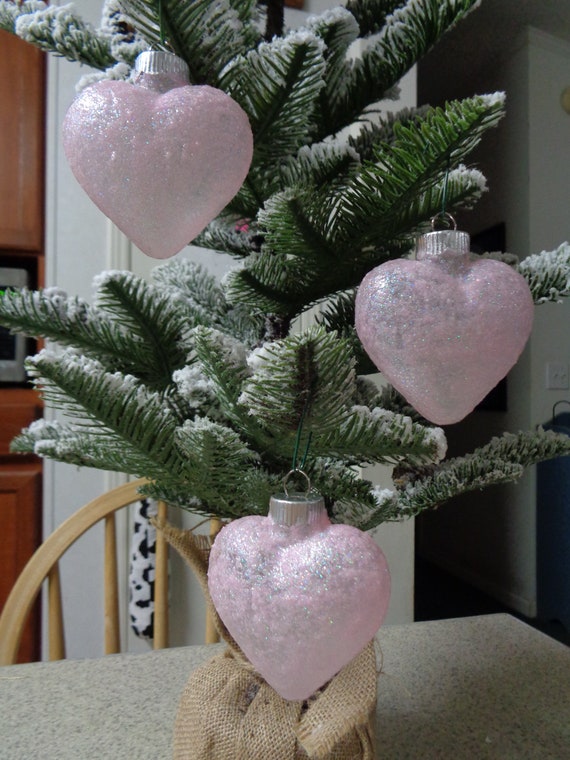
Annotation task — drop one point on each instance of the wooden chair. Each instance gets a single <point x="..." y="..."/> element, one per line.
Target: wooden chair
<point x="44" y="564"/>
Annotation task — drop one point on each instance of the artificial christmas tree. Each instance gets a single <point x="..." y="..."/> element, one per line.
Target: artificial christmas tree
<point x="208" y="389"/>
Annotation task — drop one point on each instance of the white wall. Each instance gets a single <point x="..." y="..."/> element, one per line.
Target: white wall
<point x="549" y="201"/>
<point x="490" y="538"/>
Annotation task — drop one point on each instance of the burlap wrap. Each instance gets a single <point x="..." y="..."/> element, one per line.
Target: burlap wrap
<point x="228" y="712"/>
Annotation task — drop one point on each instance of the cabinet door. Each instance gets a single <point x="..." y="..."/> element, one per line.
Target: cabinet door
<point x="19" y="407"/>
<point x="20" y="515"/>
<point x="21" y="144"/>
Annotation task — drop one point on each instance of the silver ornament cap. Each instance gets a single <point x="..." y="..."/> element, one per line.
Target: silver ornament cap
<point x="297" y="508"/>
<point x="161" y="62"/>
<point x="433" y="244"/>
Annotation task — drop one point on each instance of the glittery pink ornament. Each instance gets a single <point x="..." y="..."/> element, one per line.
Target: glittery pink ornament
<point x="159" y="157"/>
<point x="446" y="328"/>
<point x="300" y="596"/>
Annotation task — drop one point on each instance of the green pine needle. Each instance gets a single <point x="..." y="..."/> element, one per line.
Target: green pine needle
<point x="86" y="391"/>
<point x="276" y="85"/>
<point x="406" y="36"/>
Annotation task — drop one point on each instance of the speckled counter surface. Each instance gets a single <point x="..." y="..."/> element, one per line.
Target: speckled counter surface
<point x="482" y="687"/>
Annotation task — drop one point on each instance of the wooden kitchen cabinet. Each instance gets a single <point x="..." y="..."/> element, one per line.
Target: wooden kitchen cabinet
<point x="18" y="408"/>
<point x="21" y="515"/>
<point x="22" y="96"/>
<point x="22" y="141"/>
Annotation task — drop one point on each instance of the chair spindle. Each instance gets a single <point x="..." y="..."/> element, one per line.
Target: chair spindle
<point x="112" y="629"/>
<point x="56" y="636"/>
<point x="160" y="640"/>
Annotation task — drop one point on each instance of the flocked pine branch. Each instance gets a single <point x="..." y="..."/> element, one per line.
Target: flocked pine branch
<point x="10" y="12"/>
<point x="206" y="35"/>
<point x="381" y="130"/>
<point x="393" y="400"/>
<point x="196" y="293"/>
<point x="85" y="390"/>
<point x="276" y="84"/>
<point x="213" y="457"/>
<point x="319" y="239"/>
<point x="337" y="315"/>
<point x="60" y="30"/>
<point x="254" y="487"/>
<point x="97" y="333"/>
<point x="548" y="274"/>
<point x="237" y="237"/>
<point x="68" y="320"/>
<point x="502" y="460"/>
<point x="134" y="327"/>
<point x="307" y="377"/>
<point x="406" y="36"/>
<point x="304" y="389"/>
<point x="216" y="459"/>
<point x="268" y="400"/>
<point x="338" y="29"/>
<point x="371" y="15"/>
<point x="378" y="436"/>
<point x="223" y="361"/>
<point x="246" y="424"/>
<point x="319" y="164"/>
<point x="148" y="315"/>
<point x="422" y="153"/>
<point x="85" y="447"/>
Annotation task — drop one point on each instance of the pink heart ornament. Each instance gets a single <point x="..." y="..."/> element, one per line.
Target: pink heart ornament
<point x="301" y="601"/>
<point x="160" y="165"/>
<point x="446" y="329"/>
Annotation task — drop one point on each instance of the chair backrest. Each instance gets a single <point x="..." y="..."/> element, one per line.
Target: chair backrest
<point x="44" y="565"/>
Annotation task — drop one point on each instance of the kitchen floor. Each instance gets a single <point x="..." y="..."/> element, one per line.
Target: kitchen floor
<point x="439" y="595"/>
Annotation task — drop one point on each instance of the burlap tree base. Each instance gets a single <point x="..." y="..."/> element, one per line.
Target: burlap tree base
<point x="228" y="712"/>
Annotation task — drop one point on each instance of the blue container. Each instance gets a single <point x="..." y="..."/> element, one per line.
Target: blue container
<point x="553" y="532"/>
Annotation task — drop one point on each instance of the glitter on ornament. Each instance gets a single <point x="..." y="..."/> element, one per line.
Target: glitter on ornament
<point x="300" y="596"/>
<point x="159" y="157"/>
<point x="446" y="328"/>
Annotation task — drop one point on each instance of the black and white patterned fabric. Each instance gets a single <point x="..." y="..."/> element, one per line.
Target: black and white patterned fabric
<point x="142" y="570"/>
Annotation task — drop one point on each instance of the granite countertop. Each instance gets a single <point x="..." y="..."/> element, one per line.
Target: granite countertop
<point x="464" y="689"/>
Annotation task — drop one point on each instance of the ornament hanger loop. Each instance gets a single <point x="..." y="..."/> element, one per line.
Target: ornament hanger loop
<point x="445" y="218"/>
<point x="294" y="472"/>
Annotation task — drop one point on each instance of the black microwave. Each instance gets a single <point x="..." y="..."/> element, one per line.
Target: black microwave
<point x="13" y="348"/>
